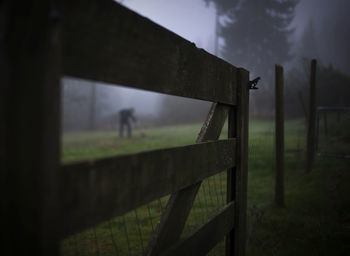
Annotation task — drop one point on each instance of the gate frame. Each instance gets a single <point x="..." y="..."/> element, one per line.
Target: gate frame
<point x="31" y="176"/>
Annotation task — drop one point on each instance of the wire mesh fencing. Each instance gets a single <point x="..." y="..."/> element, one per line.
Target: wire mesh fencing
<point x="124" y="235"/>
<point x="262" y="171"/>
<point x="210" y="199"/>
<point x="130" y="233"/>
<point x="333" y="132"/>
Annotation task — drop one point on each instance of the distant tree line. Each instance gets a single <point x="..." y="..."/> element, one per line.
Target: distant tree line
<point x="332" y="87"/>
<point x="256" y="33"/>
<point x="175" y="110"/>
<point x="88" y="106"/>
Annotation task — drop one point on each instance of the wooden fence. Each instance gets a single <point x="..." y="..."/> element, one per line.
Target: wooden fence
<point x="44" y="202"/>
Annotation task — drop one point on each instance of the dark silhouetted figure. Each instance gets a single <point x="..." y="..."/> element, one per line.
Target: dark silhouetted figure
<point x="124" y="116"/>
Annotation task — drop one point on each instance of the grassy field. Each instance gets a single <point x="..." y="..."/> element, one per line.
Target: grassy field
<point x="84" y="145"/>
<point x="315" y="220"/>
<point x="333" y="138"/>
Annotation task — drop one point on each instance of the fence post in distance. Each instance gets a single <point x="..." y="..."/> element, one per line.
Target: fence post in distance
<point x="279" y="133"/>
<point x="311" y="125"/>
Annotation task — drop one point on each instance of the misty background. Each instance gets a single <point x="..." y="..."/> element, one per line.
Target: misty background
<point x="253" y="34"/>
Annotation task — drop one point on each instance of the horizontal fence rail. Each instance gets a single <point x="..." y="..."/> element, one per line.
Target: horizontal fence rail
<point x="330" y="109"/>
<point x="107" y="42"/>
<point x="95" y="191"/>
<point x="202" y="240"/>
<point x="103" y="41"/>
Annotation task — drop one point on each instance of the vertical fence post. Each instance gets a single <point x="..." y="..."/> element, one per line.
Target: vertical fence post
<point x="237" y="177"/>
<point x="317" y="132"/>
<point x="310" y="150"/>
<point x="279" y="139"/>
<point x="30" y="152"/>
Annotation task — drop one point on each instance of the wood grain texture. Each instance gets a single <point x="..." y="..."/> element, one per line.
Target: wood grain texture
<point x="98" y="190"/>
<point x="179" y="205"/>
<point x="107" y="42"/>
<point x="203" y="239"/>
<point x="231" y="192"/>
<point x="237" y="177"/>
<point x="30" y="126"/>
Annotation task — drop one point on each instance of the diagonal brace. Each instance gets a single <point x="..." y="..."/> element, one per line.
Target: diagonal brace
<point x="174" y="217"/>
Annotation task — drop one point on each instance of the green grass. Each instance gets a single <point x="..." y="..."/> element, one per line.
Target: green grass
<point x="333" y="138"/>
<point x="316" y="216"/>
<point x="314" y="221"/>
<point x="84" y="145"/>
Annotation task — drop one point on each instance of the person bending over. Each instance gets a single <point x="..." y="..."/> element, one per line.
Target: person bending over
<point x="124" y="120"/>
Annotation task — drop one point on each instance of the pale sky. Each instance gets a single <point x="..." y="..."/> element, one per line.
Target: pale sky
<point x="190" y="19"/>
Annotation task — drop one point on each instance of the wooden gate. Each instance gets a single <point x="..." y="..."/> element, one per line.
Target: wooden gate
<point x="104" y="41"/>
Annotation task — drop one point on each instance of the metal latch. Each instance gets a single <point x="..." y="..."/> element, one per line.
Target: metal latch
<point x="252" y="84"/>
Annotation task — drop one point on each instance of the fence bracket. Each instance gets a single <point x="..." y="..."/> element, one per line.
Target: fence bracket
<point x="252" y="84"/>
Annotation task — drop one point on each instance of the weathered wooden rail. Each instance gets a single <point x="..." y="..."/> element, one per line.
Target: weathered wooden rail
<point x="43" y="202"/>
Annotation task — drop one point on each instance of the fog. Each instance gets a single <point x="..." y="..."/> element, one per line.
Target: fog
<point x="319" y="29"/>
<point x="194" y="20"/>
<point x="145" y="102"/>
<point x="191" y="19"/>
<point x="332" y="26"/>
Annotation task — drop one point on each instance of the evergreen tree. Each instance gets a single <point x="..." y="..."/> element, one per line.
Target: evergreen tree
<point x="256" y="33"/>
<point x="222" y="6"/>
<point x="308" y="47"/>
